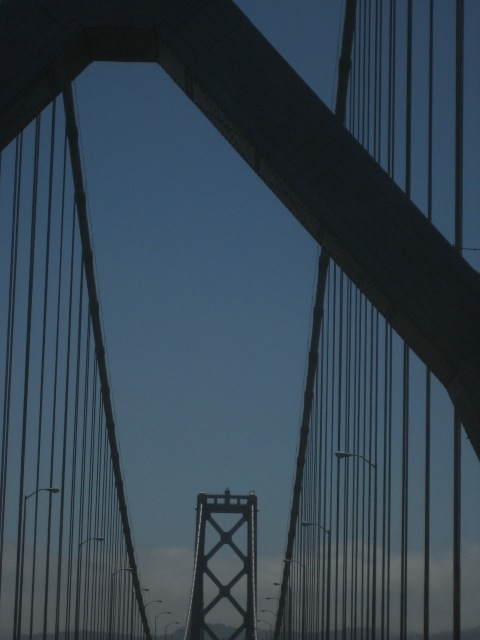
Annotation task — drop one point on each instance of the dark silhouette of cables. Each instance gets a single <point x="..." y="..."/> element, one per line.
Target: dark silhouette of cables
<point x="26" y="389"/>
<point x="80" y="198"/>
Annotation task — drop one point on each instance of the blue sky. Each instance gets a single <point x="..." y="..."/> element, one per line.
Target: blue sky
<point x="206" y="287"/>
<point x="206" y="284"/>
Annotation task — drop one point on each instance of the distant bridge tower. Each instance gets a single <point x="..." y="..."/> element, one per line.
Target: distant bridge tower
<point x="233" y="592"/>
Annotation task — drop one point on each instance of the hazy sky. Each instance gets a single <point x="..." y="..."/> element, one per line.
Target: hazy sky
<point x="206" y="287"/>
<point x="206" y="284"/>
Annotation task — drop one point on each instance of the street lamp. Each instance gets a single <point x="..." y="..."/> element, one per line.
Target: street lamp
<point x="290" y="560"/>
<point x="289" y="597"/>
<point x="151" y="602"/>
<point x="348" y="454"/>
<point x="19" y="596"/>
<point x="328" y="532"/>
<point x="96" y="539"/>
<point x="79" y="582"/>
<point x="132" y="612"/>
<point x="49" y="489"/>
<point x="269" y="611"/>
<point x="159" y="614"/>
<point x="110" y="621"/>
<point x="266" y="622"/>
<point x="166" y="627"/>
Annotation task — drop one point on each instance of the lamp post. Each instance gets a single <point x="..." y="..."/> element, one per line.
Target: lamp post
<point x="166" y="627"/>
<point x="151" y="602"/>
<point x="300" y="564"/>
<point x="157" y="616"/>
<point x="290" y="617"/>
<point x="96" y="539"/>
<point x="347" y="454"/>
<point x="133" y="609"/>
<point x="278" y="600"/>
<point x="110" y="617"/>
<point x="269" y="611"/>
<point x="266" y="622"/>
<point x="19" y="590"/>
<point x="79" y="581"/>
<point x="329" y="557"/>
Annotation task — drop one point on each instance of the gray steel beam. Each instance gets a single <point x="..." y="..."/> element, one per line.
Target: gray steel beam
<point x="287" y="135"/>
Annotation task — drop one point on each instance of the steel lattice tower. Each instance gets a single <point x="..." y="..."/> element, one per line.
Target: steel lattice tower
<point x="208" y="506"/>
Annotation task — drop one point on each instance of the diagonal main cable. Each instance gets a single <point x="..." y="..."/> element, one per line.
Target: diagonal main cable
<point x="323" y="264"/>
<point x="80" y="199"/>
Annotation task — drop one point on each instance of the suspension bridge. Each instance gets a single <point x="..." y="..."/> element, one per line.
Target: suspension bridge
<point x="382" y="536"/>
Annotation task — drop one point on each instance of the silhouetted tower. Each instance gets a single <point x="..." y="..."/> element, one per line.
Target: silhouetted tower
<point x="208" y="506"/>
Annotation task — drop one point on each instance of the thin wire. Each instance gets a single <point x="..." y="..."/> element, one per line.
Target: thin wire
<point x="66" y="405"/>
<point x="40" y="421"/>
<point x="457" y="452"/>
<point x="55" y="389"/>
<point x="43" y="354"/>
<point x="91" y="528"/>
<point x="98" y="527"/>
<point x="339" y="447"/>
<point x="81" y="529"/>
<point x="74" y="454"/>
<point x="26" y="389"/>
<point x="426" y="570"/>
<point x="406" y="356"/>
<point x="9" y="341"/>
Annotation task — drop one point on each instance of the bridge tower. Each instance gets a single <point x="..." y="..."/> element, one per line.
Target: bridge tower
<point x="208" y="507"/>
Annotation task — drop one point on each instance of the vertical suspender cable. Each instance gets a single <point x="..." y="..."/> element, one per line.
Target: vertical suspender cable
<point x="74" y="466"/>
<point x="42" y="364"/>
<point x="368" y="430"/>
<point x="387" y="486"/>
<point x="378" y="140"/>
<point x="355" y="423"/>
<point x="392" y="80"/>
<point x="406" y="355"/>
<point x="459" y="50"/>
<point x="90" y="593"/>
<point x="55" y="392"/>
<point x="347" y="447"/>
<point x="78" y="550"/>
<point x="374" y="415"/>
<point x="9" y="343"/>
<point x="374" y="332"/>
<point x="391" y="165"/>
<point x="40" y="420"/>
<point x="428" y="381"/>
<point x="26" y="384"/>
<point x="91" y="526"/>
<point x="339" y="415"/>
<point x="326" y="496"/>
<point x="66" y="405"/>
